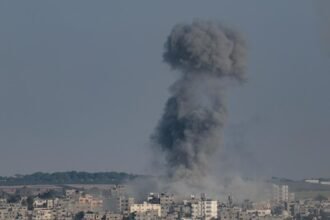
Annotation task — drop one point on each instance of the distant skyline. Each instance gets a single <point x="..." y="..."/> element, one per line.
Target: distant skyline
<point x="83" y="85"/>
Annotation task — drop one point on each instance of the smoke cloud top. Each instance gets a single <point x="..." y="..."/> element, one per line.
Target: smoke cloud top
<point x="207" y="54"/>
<point x="206" y="48"/>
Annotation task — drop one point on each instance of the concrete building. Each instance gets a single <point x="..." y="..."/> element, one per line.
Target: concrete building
<point x="43" y="214"/>
<point x="166" y="202"/>
<point x="260" y="213"/>
<point x="88" y="202"/>
<point x="124" y="203"/>
<point x="204" y="209"/>
<point x="113" y="216"/>
<point x="280" y="193"/>
<point x="146" y="207"/>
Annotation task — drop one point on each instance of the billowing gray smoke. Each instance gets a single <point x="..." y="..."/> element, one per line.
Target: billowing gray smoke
<point x="207" y="54"/>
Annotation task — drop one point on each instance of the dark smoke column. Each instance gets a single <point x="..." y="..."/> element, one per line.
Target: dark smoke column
<point x="207" y="54"/>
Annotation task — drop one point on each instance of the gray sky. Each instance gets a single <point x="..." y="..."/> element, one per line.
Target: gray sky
<point x="82" y="84"/>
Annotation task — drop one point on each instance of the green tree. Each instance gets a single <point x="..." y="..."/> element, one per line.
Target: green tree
<point x="79" y="216"/>
<point x="14" y="199"/>
<point x="29" y="202"/>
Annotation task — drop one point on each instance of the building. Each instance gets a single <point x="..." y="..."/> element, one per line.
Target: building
<point x="316" y="181"/>
<point x="205" y="209"/>
<point x="260" y="213"/>
<point x="323" y="182"/>
<point x="166" y="203"/>
<point x="124" y="203"/>
<point x="280" y="193"/>
<point x="87" y="202"/>
<point x="146" y="208"/>
<point x="42" y="214"/>
<point x="113" y="216"/>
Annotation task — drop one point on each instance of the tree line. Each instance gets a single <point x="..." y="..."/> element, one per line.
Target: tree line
<point x="71" y="177"/>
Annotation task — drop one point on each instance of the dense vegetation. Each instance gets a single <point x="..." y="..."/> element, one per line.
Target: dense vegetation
<point x="72" y="177"/>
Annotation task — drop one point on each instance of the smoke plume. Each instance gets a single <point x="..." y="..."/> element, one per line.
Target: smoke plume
<point x="207" y="54"/>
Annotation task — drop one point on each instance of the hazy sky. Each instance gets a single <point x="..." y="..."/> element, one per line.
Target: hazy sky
<point x="82" y="84"/>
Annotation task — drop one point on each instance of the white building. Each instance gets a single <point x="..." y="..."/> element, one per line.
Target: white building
<point x="205" y="209"/>
<point x="39" y="203"/>
<point x="325" y="182"/>
<point x="280" y="193"/>
<point x="312" y="181"/>
<point x="146" y="207"/>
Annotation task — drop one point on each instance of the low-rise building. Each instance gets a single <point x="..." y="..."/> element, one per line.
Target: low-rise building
<point x="146" y="208"/>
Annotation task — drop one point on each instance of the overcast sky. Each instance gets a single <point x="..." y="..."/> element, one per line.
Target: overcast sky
<point x="82" y="84"/>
